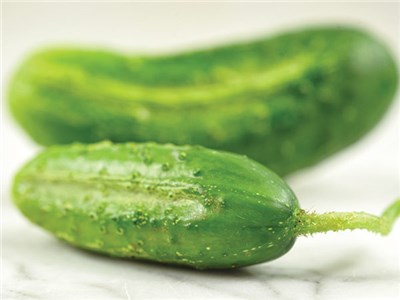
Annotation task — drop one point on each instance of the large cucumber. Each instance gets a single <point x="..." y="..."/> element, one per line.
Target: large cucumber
<point x="287" y="101"/>
<point x="181" y="205"/>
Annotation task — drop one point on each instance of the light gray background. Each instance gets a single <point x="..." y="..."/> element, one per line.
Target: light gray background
<point x="346" y="265"/>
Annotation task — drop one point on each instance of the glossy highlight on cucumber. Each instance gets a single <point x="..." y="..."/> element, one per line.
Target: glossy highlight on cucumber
<point x="287" y="101"/>
<point x="182" y="205"/>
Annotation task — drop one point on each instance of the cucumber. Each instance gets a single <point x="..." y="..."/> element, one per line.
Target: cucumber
<point x="287" y="101"/>
<point x="184" y="205"/>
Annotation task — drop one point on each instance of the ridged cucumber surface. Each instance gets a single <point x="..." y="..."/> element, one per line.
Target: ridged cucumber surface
<point x="172" y="204"/>
<point x="287" y="101"/>
<point x="182" y="205"/>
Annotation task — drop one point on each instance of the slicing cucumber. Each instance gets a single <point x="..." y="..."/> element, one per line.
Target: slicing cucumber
<point x="180" y="205"/>
<point x="288" y="101"/>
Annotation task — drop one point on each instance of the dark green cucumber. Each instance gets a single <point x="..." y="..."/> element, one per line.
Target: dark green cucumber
<point x="172" y="204"/>
<point x="287" y="101"/>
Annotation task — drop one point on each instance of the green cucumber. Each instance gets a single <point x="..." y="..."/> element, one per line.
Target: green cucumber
<point x="184" y="205"/>
<point x="288" y="101"/>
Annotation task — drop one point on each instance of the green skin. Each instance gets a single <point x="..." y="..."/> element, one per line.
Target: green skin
<point x="173" y="204"/>
<point x="288" y="101"/>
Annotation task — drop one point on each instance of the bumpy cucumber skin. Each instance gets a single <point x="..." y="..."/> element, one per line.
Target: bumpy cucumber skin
<point x="287" y="101"/>
<point x="173" y="204"/>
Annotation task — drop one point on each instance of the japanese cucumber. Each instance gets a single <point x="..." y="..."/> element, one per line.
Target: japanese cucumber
<point x="184" y="205"/>
<point x="288" y="101"/>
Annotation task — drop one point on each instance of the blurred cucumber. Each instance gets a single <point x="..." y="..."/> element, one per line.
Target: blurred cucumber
<point x="287" y="101"/>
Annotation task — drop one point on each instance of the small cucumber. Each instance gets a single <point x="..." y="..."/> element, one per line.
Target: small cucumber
<point x="172" y="204"/>
<point x="288" y="101"/>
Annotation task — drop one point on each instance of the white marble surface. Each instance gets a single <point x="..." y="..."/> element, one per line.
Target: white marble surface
<point x="346" y="265"/>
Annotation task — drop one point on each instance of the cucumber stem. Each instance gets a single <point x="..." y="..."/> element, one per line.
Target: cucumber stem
<point x="309" y="223"/>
